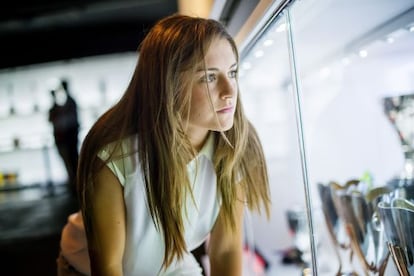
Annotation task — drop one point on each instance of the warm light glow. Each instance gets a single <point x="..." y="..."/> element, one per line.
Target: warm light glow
<point x="199" y="8"/>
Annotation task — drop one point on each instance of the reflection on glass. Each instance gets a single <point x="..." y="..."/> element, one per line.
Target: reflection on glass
<point x="400" y="112"/>
<point x="266" y="87"/>
<point x="298" y="226"/>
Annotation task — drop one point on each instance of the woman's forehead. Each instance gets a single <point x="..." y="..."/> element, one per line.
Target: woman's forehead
<point x="220" y="52"/>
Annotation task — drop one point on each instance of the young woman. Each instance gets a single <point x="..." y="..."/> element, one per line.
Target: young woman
<point x="174" y="161"/>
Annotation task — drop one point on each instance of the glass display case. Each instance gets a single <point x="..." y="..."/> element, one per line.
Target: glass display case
<point x="328" y="85"/>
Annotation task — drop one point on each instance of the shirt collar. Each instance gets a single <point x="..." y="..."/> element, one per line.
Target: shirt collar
<point x="208" y="148"/>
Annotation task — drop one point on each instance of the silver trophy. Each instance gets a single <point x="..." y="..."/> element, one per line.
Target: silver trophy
<point x="397" y="210"/>
<point x="400" y="112"/>
<point x="368" y="243"/>
<point x="335" y="226"/>
<point x="397" y="217"/>
<point x="353" y="213"/>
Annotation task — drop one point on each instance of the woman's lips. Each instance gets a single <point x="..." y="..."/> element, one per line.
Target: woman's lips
<point x="225" y="110"/>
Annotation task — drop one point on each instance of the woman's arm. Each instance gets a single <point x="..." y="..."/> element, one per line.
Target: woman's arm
<point x="106" y="234"/>
<point x="225" y="248"/>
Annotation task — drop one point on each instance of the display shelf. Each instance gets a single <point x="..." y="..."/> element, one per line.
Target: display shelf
<point x="18" y="186"/>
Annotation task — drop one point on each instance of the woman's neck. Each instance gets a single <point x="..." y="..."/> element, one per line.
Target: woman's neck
<point x="198" y="140"/>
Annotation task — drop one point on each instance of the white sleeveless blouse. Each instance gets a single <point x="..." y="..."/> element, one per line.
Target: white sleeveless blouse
<point x="144" y="245"/>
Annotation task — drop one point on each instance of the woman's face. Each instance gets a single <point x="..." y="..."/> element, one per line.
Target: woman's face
<point x="220" y="75"/>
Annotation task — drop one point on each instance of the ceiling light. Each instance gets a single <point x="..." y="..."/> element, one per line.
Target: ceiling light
<point x="268" y="42"/>
<point x="259" y="53"/>
<point x="346" y="61"/>
<point x="325" y="72"/>
<point x="281" y="28"/>
<point x="390" y="40"/>
<point x="363" y="53"/>
<point x="246" y="65"/>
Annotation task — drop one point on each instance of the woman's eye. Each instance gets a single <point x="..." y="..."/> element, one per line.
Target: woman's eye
<point x="233" y="74"/>
<point x="209" y="78"/>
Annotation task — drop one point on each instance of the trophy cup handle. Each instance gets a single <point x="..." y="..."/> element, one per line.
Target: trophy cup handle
<point x="381" y="269"/>
<point x="357" y="249"/>
<point x="399" y="259"/>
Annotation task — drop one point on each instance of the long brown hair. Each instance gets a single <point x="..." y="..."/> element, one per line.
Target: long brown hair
<point x="155" y="107"/>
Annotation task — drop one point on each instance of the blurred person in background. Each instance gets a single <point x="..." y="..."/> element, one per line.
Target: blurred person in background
<point x="64" y="117"/>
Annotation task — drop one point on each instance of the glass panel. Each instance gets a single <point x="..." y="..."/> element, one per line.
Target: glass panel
<point x="350" y="56"/>
<point x="267" y="91"/>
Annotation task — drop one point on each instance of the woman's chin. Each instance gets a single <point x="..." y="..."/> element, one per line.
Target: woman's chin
<point x="226" y="126"/>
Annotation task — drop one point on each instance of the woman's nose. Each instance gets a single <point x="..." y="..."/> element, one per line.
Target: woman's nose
<point x="228" y="88"/>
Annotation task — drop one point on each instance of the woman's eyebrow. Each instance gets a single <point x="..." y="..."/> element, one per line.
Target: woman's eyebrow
<point x="215" y="68"/>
